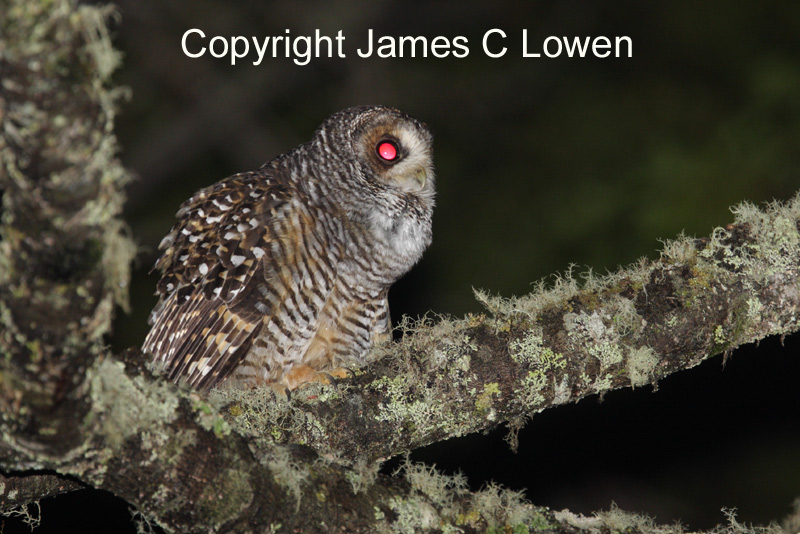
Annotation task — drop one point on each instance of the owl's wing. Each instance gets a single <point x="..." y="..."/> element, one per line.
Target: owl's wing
<point x="207" y="316"/>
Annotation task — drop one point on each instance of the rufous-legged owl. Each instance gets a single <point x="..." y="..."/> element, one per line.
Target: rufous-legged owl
<point x="280" y="275"/>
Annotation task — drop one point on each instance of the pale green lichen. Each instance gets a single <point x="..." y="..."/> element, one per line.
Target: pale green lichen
<point x="563" y="287"/>
<point x="589" y="330"/>
<point x="620" y="521"/>
<point x="260" y="412"/>
<point x="440" y="489"/>
<point x="483" y="402"/>
<point x="719" y="335"/>
<point x="423" y="413"/>
<point x="533" y="386"/>
<point x="527" y="350"/>
<point x="209" y="418"/>
<point x="26" y="514"/>
<point x="607" y="353"/>
<point x="614" y="520"/>
<point x="362" y="475"/>
<point x="563" y="391"/>
<point x="225" y="497"/>
<point x="542" y="361"/>
<point x="773" y="245"/>
<point x="501" y="507"/>
<point x="552" y="360"/>
<point x="530" y="351"/>
<point x="288" y="473"/>
<point x="777" y="244"/>
<point x="754" y="309"/>
<point x="624" y="317"/>
<point x="143" y="523"/>
<point x="602" y="383"/>
<point x="679" y="250"/>
<point x="444" y="503"/>
<point x="642" y="364"/>
<point x="413" y="515"/>
<point x="454" y="359"/>
<point x="126" y="407"/>
<point x="718" y="250"/>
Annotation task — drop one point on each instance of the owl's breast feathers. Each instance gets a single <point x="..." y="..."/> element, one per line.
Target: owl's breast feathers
<point x="210" y="308"/>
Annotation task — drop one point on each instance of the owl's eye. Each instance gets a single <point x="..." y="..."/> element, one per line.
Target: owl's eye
<point x="387" y="150"/>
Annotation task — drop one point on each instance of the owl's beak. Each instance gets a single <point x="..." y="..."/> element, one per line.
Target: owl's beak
<point x="412" y="180"/>
<point x="420" y="177"/>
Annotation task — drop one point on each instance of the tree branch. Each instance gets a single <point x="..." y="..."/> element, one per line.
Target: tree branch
<point x="243" y="461"/>
<point x="703" y="297"/>
<point x="16" y="491"/>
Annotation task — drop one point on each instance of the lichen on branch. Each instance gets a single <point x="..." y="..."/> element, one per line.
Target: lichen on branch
<point x="449" y="377"/>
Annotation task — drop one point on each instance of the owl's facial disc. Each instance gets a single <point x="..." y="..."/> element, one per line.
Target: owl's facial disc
<point x="399" y="153"/>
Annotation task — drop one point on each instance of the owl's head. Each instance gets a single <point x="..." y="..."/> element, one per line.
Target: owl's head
<point x="377" y="166"/>
<point x="390" y="151"/>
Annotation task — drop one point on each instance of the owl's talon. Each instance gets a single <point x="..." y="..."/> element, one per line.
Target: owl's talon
<point x="280" y="391"/>
<point x="324" y="377"/>
<point x="341" y="373"/>
<point x="332" y="377"/>
<point x="301" y="375"/>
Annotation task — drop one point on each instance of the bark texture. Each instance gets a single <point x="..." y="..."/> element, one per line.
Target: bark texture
<point x="248" y="462"/>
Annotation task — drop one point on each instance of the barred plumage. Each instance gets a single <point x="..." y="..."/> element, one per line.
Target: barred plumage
<point x="277" y="275"/>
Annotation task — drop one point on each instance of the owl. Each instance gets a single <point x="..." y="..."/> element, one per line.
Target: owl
<point x="280" y="276"/>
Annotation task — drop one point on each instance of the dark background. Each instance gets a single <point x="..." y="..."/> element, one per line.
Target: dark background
<point x="541" y="163"/>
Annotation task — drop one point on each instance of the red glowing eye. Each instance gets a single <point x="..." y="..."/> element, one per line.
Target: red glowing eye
<point x="387" y="150"/>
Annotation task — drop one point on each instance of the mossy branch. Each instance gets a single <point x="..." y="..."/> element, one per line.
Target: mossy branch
<point x="245" y="462"/>
<point x="557" y="345"/>
<point x="21" y="490"/>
